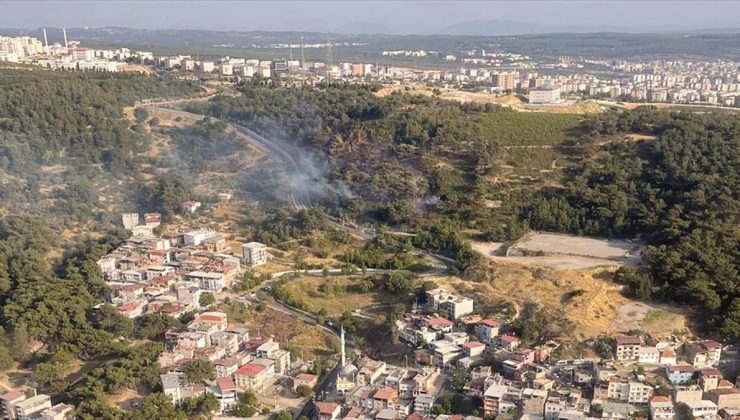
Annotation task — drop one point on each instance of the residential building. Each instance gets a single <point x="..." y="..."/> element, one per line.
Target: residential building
<point x="486" y="330"/>
<point x="709" y="379"/>
<point x="251" y="376"/>
<point x="679" y="374"/>
<point x="328" y="411"/>
<point x="648" y="355"/>
<point x="423" y="404"/>
<point x="60" y="411"/>
<point x="504" y="81"/>
<point x="628" y="390"/>
<point x="661" y="408"/>
<point x="627" y="347"/>
<point x="172" y="386"/>
<point x="225" y="367"/>
<point x="254" y="254"/>
<point x="225" y="391"/>
<point x="725" y="398"/>
<point x="703" y="353"/>
<point x="305" y="379"/>
<point x="492" y="399"/>
<point x="30" y="408"/>
<point x="370" y="372"/>
<point x="703" y="409"/>
<point x="209" y="281"/>
<point x="14" y="396"/>
<point x="384" y="398"/>
<point x="508" y="342"/>
<point x="668" y="357"/>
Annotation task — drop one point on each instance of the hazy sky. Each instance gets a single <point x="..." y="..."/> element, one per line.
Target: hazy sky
<point x="393" y="16"/>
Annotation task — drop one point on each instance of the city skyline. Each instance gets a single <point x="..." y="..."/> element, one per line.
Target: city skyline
<point x="393" y="17"/>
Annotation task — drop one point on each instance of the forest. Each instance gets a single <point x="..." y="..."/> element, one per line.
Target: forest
<point x="678" y="192"/>
<point x="424" y="164"/>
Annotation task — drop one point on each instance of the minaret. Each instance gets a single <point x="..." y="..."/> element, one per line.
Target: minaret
<point x="344" y="357"/>
<point x="46" y="42"/>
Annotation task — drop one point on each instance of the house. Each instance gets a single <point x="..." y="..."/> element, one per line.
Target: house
<point x="661" y="408"/>
<point x="627" y="347"/>
<point x="370" y="373"/>
<point x="508" y="342"/>
<point x="254" y="254"/>
<point x="709" y="379"/>
<point x="679" y="374"/>
<point x="271" y="350"/>
<point x="615" y="410"/>
<point x="30" y="408"/>
<point x="172" y="386"/>
<point x="13" y="396"/>
<point x="648" y="355"/>
<point x="667" y="357"/>
<point x="305" y="379"/>
<point x="384" y="398"/>
<point x="251" y="376"/>
<point x="492" y="399"/>
<point x="702" y="409"/>
<point x="190" y="206"/>
<point x="225" y="367"/>
<point x="453" y="306"/>
<point x="628" y="390"/>
<point x="423" y="404"/>
<point x="473" y="348"/>
<point x="327" y="411"/>
<point x="487" y="330"/>
<point x="725" y="398"/>
<point x="703" y="353"/>
<point x="213" y="282"/>
<point x="225" y="391"/>
<point x="60" y="411"/>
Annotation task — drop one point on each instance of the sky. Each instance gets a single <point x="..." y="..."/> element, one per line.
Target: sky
<point x="391" y="16"/>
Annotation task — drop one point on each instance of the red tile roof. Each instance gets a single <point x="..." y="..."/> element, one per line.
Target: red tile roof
<point x="508" y="338"/>
<point x="710" y="372"/>
<point x="724" y="383"/>
<point x="13" y="394"/>
<point x="250" y="369"/>
<point x="472" y="344"/>
<point x="659" y="398"/>
<point x="439" y="322"/>
<point x="384" y="394"/>
<point x="226" y="384"/>
<point x="490" y="322"/>
<point x="667" y="353"/>
<point x="680" y="368"/>
<point x="326" y="408"/>
<point x="306" y="377"/>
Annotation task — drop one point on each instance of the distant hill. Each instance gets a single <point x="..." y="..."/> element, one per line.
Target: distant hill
<point x="498" y="27"/>
<point x="716" y="43"/>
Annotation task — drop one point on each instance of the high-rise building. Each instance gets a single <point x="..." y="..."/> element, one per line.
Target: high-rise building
<point x="504" y="81"/>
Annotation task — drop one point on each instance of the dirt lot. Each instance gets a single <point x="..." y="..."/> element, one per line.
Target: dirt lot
<point x="496" y="251"/>
<point x="551" y="243"/>
<point x="650" y="317"/>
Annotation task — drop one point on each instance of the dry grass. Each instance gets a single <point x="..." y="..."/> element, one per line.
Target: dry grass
<point x="582" y="316"/>
<point x="311" y="340"/>
<point x="334" y="302"/>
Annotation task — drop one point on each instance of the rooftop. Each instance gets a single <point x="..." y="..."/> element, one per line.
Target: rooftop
<point x="250" y="369"/>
